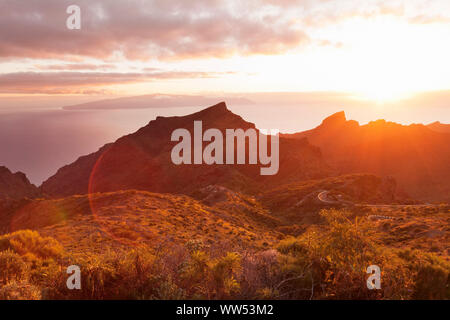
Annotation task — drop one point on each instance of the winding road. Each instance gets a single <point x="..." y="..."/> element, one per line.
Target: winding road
<point x="324" y="198"/>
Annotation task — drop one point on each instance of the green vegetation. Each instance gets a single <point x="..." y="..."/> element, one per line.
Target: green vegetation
<point x="327" y="261"/>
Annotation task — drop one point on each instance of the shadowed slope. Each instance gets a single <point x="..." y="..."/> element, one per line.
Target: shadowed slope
<point x="16" y="185"/>
<point x="414" y="155"/>
<point x="142" y="161"/>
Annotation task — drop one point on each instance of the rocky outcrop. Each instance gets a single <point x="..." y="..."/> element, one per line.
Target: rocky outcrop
<point x="416" y="156"/>
<point x="16" y="185"/>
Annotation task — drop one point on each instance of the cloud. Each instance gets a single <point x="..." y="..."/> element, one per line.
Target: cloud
<point x="85" y="82"/>
<point x="331" y="13"/>
<point x="428" y="19"/>
<point x="178" y="29"/>
<point x="157" y="101"/>
<point x="136" y="29"/>
<point x="74" y="66"/>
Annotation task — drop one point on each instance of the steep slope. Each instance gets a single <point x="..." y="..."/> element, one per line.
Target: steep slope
<point x="300" y="201"/>
<point x="142" y="161"/>
<point x="131" y="218"/>
<point x="414" y="155"/>
<point x="16" y="185"/>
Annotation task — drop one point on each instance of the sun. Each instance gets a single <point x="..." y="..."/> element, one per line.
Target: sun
<point x="381" y="95"/>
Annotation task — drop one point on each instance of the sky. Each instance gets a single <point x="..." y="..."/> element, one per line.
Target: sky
<point x="295" y="61"/>
<point x="377" y="50"/>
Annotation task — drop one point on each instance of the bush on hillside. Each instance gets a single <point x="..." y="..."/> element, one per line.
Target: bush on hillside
<point x="27" y="241"/>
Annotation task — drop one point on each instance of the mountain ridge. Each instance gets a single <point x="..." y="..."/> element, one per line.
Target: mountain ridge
<point x="439" y="127"/>
<point x="146" y="152"/>
<point x="414" y="155"/>
<point x="16" y="185"/>
<point x="141" y="160"/>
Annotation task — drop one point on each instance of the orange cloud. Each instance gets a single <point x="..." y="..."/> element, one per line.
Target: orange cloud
<point x="74" y="66"/>
<point x="82" y="82"/>
<point x="141" y="30"/>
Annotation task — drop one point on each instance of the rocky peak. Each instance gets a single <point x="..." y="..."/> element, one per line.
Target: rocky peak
<point x="337" y="118"/>
<point x="15" y="185"/>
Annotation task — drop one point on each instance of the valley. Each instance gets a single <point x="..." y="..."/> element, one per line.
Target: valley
<point x="212" y="231"/>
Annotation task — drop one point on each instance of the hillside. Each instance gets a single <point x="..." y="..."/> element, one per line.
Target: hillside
<point x="217" y="216"/>
<point x="299" y="202"/>
<point x="141" y="245"/>
<point x="222" y="217"/>
<point x="414" y="155"/>
<point x="15" y="185"/>
<point x="439" y="127"/>
<point x="133" y="218"/>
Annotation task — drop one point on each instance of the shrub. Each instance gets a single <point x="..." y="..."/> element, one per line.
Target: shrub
<point x="12" y="267"/>
<point x="330" y="262"/>
<point x="260" y="274"/>
<point x="27" y="241"/>
<point x="224" y="272"/>
<point x="291" y="245"/>
<point x="431" y="274"/>
<point x="169" y="290"/>
<point x="19" y="291"/>
<point x="327" y="261"/>
<point x="432" y="282"/>
<point x="204" y="277"/>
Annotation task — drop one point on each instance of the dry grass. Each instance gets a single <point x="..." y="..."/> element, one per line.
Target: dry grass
<point x="142" y="245"/>
<point x="132" y="218"/>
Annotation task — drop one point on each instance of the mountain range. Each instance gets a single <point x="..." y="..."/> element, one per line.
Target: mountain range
<point x="142" y="161"/>
<point x="415" y="156"/>
<point x="439" y="127"/>
<point x="371" y="183"/>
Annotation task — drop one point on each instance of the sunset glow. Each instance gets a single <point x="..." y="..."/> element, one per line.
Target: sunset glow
<point x="273" y="62"/>
<point x="375" y="51"/>
<point x="228" y="157"/>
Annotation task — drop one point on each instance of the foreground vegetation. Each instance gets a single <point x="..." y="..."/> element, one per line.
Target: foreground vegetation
<point x="328" y="261"/>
